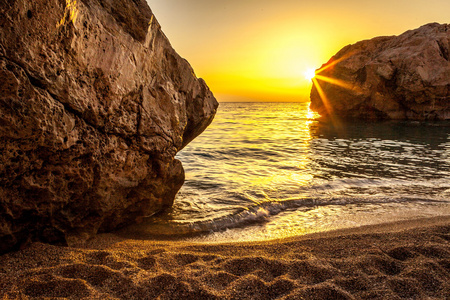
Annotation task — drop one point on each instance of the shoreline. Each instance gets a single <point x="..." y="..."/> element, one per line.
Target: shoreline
<point x="274" y="227"/>
<point x="388" y="227"/>
<point x="405" y="259"/>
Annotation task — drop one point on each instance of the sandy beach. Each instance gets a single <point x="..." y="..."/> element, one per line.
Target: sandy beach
<point x="403" y="260"/>
<point x="249" y="146"/>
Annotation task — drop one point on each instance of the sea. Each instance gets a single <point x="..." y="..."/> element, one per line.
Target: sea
<point x="263" y="171"/>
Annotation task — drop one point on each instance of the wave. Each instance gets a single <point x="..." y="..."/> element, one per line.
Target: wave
<point x="262" y="167"/>
<point x="254" y="215"/>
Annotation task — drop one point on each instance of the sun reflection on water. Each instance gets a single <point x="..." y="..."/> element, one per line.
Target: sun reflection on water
<point x="265" y="171"/>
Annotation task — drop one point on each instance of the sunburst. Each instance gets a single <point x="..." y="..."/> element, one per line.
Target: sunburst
<point x="310" y="74"/>
<point x="338" y="82"/>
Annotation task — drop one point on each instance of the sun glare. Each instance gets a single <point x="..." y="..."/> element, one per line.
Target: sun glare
<point x="310" y="73"/>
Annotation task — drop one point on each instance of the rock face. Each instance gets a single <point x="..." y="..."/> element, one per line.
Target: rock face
<point x="94" y="105"/>
<point x="399" y="77"/>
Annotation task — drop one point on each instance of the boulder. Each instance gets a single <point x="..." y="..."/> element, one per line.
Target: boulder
<point x="94" y="105"/>
<point x="398" y="77"/>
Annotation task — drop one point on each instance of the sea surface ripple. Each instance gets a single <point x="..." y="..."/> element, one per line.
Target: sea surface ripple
<point x="271" y="170"/>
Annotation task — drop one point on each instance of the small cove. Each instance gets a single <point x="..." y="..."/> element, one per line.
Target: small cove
<point x="263" y="171"/>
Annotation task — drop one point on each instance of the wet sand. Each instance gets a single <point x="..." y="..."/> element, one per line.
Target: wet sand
<point x="409" y="259"/>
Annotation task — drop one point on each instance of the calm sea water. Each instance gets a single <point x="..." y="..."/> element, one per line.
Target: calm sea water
<point x="272" y="170"/>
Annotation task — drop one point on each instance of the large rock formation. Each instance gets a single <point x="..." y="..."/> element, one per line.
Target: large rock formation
<point x="398" y="77"/>
<point x="94" y="105"/>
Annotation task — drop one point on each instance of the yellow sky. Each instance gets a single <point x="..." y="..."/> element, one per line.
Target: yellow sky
<point x="259" y="50"/>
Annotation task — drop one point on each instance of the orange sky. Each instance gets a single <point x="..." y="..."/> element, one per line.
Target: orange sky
<point x="259" y="50"/>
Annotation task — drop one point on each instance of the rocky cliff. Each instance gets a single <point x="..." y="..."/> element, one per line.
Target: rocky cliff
<point x="94" y="105"/>
<point x="398" y="77"/>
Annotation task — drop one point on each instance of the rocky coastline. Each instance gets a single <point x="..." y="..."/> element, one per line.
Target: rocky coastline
<point x="405" y="77"/>
<point x="94" y="105"/>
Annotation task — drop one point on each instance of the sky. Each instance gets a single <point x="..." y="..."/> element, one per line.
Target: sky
<point x="259" y="50"/>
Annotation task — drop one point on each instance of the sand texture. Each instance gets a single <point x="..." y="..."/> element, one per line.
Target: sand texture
<point x="406" y="260"/>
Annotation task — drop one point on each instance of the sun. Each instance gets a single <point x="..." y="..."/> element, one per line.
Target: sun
<point x="310" y="73"/>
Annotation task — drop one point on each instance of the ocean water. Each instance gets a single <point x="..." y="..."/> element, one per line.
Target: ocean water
<point x="263" y="171"/>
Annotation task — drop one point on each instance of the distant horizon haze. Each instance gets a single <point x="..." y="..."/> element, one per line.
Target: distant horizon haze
<point x="260" y="50"/>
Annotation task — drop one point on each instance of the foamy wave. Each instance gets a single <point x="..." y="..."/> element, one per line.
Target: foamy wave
<point x="254" y="215"/>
